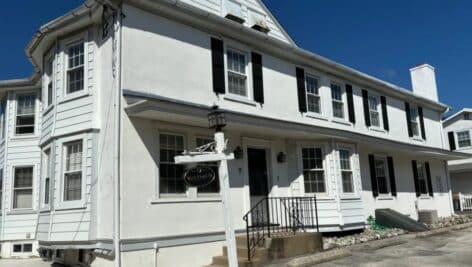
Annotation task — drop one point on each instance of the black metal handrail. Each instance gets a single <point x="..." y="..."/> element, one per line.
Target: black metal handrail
<point x="279" y="215"/>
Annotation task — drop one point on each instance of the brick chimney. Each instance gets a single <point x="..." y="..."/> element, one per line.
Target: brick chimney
<point x="423" y="81"/>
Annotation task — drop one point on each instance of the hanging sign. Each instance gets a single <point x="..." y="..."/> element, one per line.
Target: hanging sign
<point x="199" y="176"/>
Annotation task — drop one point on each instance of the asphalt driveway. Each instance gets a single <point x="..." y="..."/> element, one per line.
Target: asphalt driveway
<point x="452" y="249"/>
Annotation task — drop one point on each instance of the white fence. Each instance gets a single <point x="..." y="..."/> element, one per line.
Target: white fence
<point x="465" y="201"/>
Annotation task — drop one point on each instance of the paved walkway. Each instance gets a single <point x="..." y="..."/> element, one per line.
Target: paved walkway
<point x="452" y="249"/>
<point x="33" y="262"/>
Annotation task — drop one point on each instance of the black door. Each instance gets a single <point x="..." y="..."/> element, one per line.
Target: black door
<point x="257" y="166"/>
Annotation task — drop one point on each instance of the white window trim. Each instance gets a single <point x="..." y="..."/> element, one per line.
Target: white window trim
<point x="345" y="119"/>
<point x="64" y="96"/>
<point x="59" y="194"/>
<point x="379" y="111"/>
<point x="43" y="205"/>
<point x="354" y="170"/>
<point x="456" y="133"/>
<point x="318" y="80"/>
<point x="249" y="99"/>
<point x="33" y="186"/>
<point x="419" y="136"/>
<point x="49" y="56"/>
<point x="36" y="112"/>
<point x="22" y="253"/>
<point x="324" y="151"/>
<point x="387" y="175"/>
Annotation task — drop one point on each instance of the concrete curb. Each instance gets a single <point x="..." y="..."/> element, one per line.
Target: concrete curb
<point x="339" y="253"/>
<point x="320" y="257"/>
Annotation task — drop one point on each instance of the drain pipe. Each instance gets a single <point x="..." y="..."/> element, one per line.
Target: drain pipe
<point x="156" y="251"/>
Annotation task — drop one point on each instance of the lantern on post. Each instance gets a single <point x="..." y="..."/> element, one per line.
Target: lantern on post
<point x="216" y="119"/>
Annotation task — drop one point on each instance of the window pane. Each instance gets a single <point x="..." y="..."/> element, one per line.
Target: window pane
<point x="27" y="247"/>
<point x="236" y="73"/>
<point x="463" y="139"/>
<point x="26" y="104"/>
<point x="313" y="170"/>
<point x="17" y="248"/>
<point x="381" y="173"/>
<point x="311" y="85"/>
<point x="347" y="182"/>
<point x="75" y="80"/>
<point x="49" y="93"/>
<point x="338" y="110"/>
<point x="74" y="156"/>
<point x="374" y="118"/>
<point x="23" y="199"/>
<point x="344" y="156"/>
<point x="46" y="191"/>
<point x="73" y="186"/>
<point x="76" y="55"/>
<point x="336" y="92"/>
<point x="383" y="186"/>
<point x="170" y="174"/>
<point x="313" y="103"/>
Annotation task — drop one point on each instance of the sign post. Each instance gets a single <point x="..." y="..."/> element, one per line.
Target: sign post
<point x="219" y="155"/>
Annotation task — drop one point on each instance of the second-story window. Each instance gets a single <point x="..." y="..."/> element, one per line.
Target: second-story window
<point x="49" y="81"/>
<point x="1" y="190"/>
<point x="25" y="111"/>
<point x="237" y="77"/>
<point x="75" y="67"/>
<point x="337" y="99"/>
<point x="73" y="171"/>
<point x="415" y="129"/>
<point x="2" y="119"/>
<point x="23" y="188"/>
<point x="374" y="111"/>
<point x="312" y="95"/>
<point x="463" y="139"/>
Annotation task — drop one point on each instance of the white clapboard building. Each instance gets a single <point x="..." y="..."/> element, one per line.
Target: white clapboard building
<point x="457" y="129"/>
<point x="127" y="85"/>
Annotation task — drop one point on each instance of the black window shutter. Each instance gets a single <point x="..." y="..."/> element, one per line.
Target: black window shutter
<point x="428" y="176"/>
<point x="365" y="99"/>
<point x="373" y="177"/>
<point x="415" y="178"/>
<point x="257" y="78"/>
<point x="301" y="90"/>
<point x="408" y="119"/>
<point x="383" y="102"/>
<point x="350" y="103"/>
<point x="391" y="174"/>
<point x="452" y="140"/>
<point x="420" y="114"/>
<point x="218" y="65"/>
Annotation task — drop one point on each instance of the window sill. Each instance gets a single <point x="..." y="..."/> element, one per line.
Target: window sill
<point x="377" y="129"/>
<point x="316" y="116"/>
<point x="72" y="205"/>
<point x="21" y="211"/>
<point x="24" y="137"/>
<point x="385" y="198"/>
<point x="240" y="99"/>
<point x="352" y="196"/>
<point x="425" y="197"/>
<point x="185" y="200"/>
<point x="417" y="139"/>
<point x="341" y="121"/>
<point x="74" y="96"/>
<point x="45" y="210"/>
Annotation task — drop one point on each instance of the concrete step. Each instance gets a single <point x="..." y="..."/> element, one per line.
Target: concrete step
<point x="242" y="262"/>
<point x="259" y="253"/>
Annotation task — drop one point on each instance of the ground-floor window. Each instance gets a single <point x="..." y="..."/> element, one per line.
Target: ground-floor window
<point x="381" y="175"/>
<point x="422" y="178"/>
<point x="346" y="170"/>
<point x="313" y="171"/>
<point x="73" y="171"/>
<point x="171" y="179"/>
<point x="23" y="188"/>
<point x="23" y="248"/>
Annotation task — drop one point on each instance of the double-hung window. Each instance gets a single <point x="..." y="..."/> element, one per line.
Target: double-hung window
<point x="422" y="179"/>
<point x="337" y="100"/>
<point x="23" y="188"/>
<point x="415" y="129"/>
<point x="214" y="186"/>
<point x="313" y="170"/>
<point x="75" y="67"/>
<point x="47" y="175"/>
<point x="49" y="81"/>
<point x="374" y="110"/>
<point x="1" y="191"/>
<point x="2" y="119"/>
<point x="312" y="94"/>
<point x="463" y="139"/>
<point x="25" y="114"/>
<point x="346" y="170"/>
<point x="236" y="68"/>
<point x="171" y="179"/>
<point x="381" y="175"/>
<point x="73" y="171"/>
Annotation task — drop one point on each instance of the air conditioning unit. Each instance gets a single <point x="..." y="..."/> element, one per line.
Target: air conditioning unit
<point x="233" y="11"/>
<point x="261" y="26"/>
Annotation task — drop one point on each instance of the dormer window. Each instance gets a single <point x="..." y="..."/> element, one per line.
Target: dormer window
<point x="75" y="67"/>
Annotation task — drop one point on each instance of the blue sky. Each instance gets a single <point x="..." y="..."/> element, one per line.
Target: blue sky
<point x="380" y="38"/>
